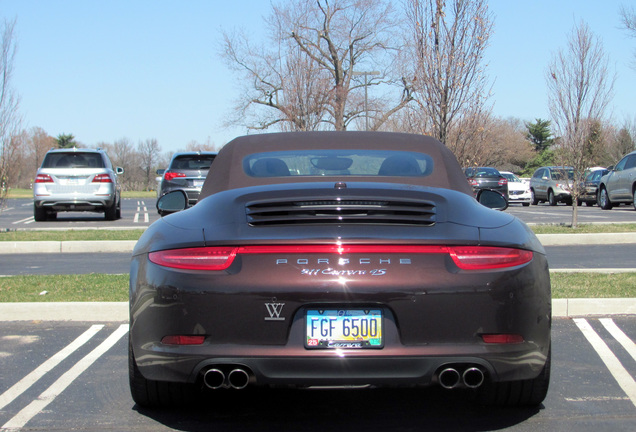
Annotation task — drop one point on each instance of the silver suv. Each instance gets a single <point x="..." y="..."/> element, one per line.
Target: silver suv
<point x="552" y="184"/>
<point x="619" y="185"/>
<point x="76" y="180"/>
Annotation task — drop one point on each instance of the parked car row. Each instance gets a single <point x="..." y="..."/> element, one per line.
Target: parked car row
<point x="85" y="180"/>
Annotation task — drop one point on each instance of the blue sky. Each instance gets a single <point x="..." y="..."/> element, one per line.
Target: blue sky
<point x="106" y="70"/>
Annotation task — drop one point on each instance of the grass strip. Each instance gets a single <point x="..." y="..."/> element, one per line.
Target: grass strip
<point x="593" y="285"/>
<point x="64" y="288"/>
<point x="114" y="288"/>
<point x="72" y="235"/>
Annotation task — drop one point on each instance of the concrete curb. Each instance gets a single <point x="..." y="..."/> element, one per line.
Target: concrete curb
<point x="120" y="246"/>
<point x="102" y="246"/>
<point x="118" y="311"/>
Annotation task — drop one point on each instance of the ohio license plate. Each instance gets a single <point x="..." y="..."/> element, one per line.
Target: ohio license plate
<point x="344" y="328"/>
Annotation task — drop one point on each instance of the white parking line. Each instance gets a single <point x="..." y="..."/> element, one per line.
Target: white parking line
<point x="621" y="337"/>
<point x="30" y="218"/>
<point x="615" y="367"/>
<point x="145" y="211"/>
<point x="49" y="395"/>
<point x="21" y="386"/>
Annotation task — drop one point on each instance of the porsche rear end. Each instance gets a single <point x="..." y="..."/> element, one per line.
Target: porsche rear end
<point x="380" y="287"/>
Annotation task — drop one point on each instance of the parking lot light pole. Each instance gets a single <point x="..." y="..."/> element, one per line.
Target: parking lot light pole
<point x="366" y="110"/>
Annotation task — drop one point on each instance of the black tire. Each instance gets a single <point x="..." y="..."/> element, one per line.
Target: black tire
<point x="634" y="199"/>
<point x="525" y="204"/>
<point x="118" y="212"/>
<point x="518" y="393"/>
<point x="551" y="199"/>
<point x="111" y="212"/>
<point x="589" y="203"/>
<point x="535" y="201"/>
<point x="39" y="214"/>
<point x="149" y="393"/>
<point x="603" y="200"/>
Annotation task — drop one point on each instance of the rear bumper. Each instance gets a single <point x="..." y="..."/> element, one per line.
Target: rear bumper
<point x="74" y="203"/>
<point x="406" y="366"/>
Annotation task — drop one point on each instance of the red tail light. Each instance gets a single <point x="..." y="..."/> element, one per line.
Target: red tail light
<point x="220" y="258"/>
<point x="486" y="258"/>
<point x="169" y="175"/>
<point x="102" y="178"/>
<point x="503" y="181"/>
<point x="43" y="178"/>
<point x="207" y="258"/>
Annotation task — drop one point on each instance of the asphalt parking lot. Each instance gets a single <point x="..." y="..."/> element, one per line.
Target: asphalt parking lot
<point x="72" y="376"/>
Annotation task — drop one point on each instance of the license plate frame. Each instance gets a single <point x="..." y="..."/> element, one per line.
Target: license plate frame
<point x="345" y="328"/>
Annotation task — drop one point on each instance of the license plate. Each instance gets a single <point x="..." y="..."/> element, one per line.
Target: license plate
<point x="344" y="328"/>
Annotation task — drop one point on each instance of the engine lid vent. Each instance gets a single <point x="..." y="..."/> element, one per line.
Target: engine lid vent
<point x="348" y="211"/>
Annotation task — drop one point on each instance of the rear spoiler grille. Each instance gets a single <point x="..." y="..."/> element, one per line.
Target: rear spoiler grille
<point x="341" y="212"/>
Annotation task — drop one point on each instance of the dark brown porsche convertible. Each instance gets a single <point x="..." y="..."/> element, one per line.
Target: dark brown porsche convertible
<point x="338" y="259"/>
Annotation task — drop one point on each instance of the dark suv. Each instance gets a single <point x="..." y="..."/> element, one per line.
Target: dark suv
<point x="76" y="180"/>
<point x="619" y="185"/>
<point x="187" y="172"/>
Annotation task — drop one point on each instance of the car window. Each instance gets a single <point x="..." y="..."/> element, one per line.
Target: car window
<point x="338" y="162"/>
<point x="73" y="160"/>
<point x="538" y="174"/>
<point x="561" y="174"/>
<point x="192" y="162"/>
<point x="621" y="165"/>
<point x="487" y="172"/>
<point x="631" y="162"/>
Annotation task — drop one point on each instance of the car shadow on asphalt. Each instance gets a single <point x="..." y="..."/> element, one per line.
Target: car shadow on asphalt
<point x="428" y="409"/>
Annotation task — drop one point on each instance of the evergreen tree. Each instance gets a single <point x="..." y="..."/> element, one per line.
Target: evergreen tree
<point x="65" y="141"/>
<point x="540" y="135"/>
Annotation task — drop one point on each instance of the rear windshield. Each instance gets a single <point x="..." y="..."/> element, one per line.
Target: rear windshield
<point x="374" y="163"/>
<point x="561" y="174"/>
<point x="73" y="160"/>
<point x="486" y="172"/>
<point x="192" y="162"/>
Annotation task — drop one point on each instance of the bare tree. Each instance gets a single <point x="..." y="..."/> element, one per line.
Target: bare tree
<point x="580" y="87"/>
<point x="9" y="117"/>
<point x="149" y="155"/>
<point x="449" y="39"/>
<point x="628" y="20"/>
<point x="306" y="80"/>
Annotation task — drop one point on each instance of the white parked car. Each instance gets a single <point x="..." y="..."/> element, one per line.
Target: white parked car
<point x="518" y="190"/>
